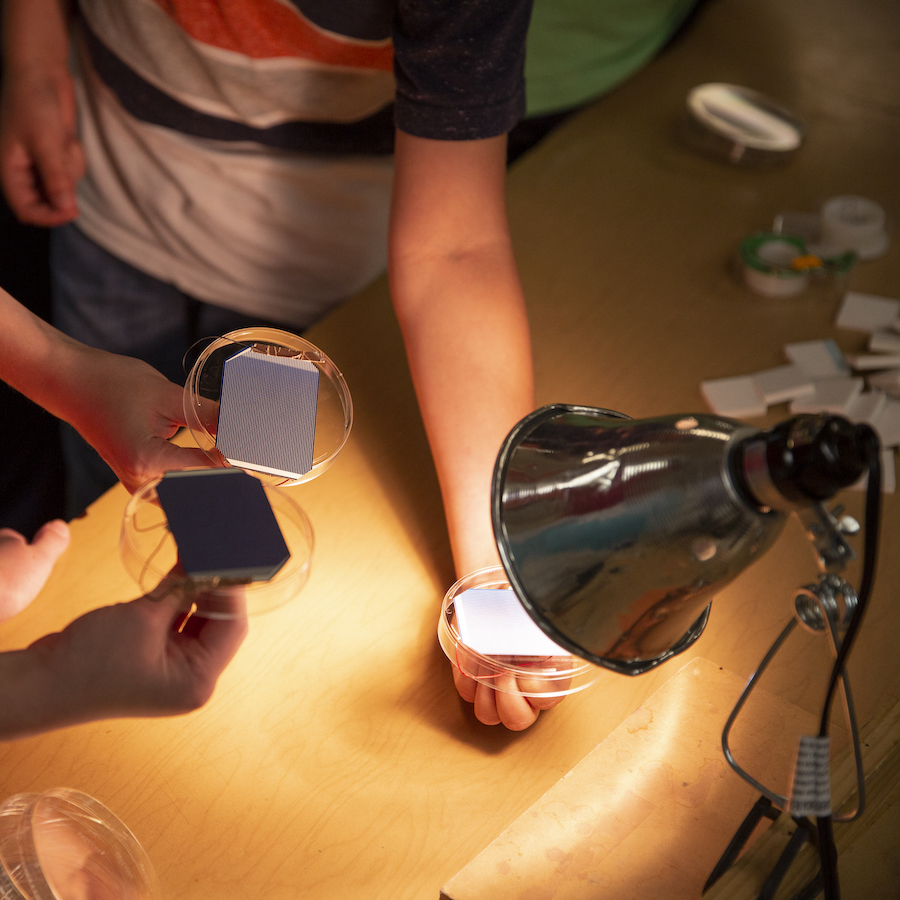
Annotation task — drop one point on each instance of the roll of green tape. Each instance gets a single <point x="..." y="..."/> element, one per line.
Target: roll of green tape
<point x="770" y="263"/>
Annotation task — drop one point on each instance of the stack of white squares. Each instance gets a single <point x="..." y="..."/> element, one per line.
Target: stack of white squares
<point x="819" y="378"/>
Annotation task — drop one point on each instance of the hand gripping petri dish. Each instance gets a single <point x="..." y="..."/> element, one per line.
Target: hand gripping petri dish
<point x="65" y="845"/>
<point x="269" y="402"/>
<point x="200" y="536"/>
<point x="741" y="125"/>
<point x="512" y="654"/>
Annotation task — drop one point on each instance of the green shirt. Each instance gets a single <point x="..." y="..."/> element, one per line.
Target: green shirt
<point x="578" y="49"/>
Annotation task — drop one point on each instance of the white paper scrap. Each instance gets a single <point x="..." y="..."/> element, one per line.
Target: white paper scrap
<point x="493" y="622"/>
<point x="870" y="362"/>
<point x="866" y="312"/>
<point x="739" y="397"/>
<point x="884" y="342"/>
<point x="820" y="359"/>
<point x="888" y="381"/>
<point x="832" y="395"/>
<point x="867" y="407"/>
<point x="784" y="383"/>
<point x="887" y="423"/>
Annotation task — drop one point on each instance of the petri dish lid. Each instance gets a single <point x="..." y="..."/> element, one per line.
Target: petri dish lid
<point x="65" y="845"/>
<point x="528" y="676"/>
<point x="150" y="556"/>
<point x="332" y="417"/>
<point x="743" y="124"/>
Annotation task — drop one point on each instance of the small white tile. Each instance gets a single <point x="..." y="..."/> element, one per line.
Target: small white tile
<point x="739" y="397"/>
<point x="784" y="383"/>
<point x="884" y="342"/>
<point x="867" y="407"/>
<point x="820" y="359"/>
<point x="887" y="423"/>
<point x="888" y="381"/>
<point x="871" y="362"/>
<point x="834" y="395"/>
<point x="867" y="312"/>
<point x="494" y="622"/>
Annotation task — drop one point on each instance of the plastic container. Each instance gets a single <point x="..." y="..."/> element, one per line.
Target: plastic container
<point x="854" y="223"/>
<point x="334" y="412"/>
<point x="741" y="125"/>
<point x="65" y="845"/>
<point x="150" y="556"/>
<point x="551" y="676"/>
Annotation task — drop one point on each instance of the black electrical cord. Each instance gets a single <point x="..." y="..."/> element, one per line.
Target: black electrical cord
<point x="868" y="439"/>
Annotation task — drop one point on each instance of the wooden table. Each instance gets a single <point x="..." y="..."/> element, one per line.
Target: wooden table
<point x="335" y="759"/>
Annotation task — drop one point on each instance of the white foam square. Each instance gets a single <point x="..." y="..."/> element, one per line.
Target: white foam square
<point x="887" y="381"/>
<point x="494" y="622"/>
<point x="739" y="396"/>
<point x="784" y="383"/>
<point x="871" y="362"/>
<point x="834" y="395"/>
<point x="884" y="342"/>
<point x="819" y="359"/>
<point x="867" y="407"/>
<point x="867" y="312"/>
<point x="887" y="423"/>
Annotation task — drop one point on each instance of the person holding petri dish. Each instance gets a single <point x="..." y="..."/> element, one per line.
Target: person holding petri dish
<point x="130" y="659"/>
<point x="263" y="161"/>
<point x="141" y="658"/>
<point x="268" y="160"/>
<point x="123" y="407"/>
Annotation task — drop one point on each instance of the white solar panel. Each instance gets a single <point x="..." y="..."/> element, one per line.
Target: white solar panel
<point x="267" y="413"/>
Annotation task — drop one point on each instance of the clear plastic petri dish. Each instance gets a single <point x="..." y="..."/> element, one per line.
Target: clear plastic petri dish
<point x="741" y="125"/>
<point x="65" y="845"/>
<point x="333" y="416"/>
<point x="150" y="556"/>
<point x="528" y="676"/>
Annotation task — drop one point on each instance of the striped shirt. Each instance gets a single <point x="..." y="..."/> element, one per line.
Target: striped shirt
<point x="240" y="149"/>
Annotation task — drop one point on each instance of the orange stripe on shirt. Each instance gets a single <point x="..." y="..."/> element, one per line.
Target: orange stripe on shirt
<point x="266" y="29"/>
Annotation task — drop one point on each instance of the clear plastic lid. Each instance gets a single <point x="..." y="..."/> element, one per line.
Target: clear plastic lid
<point x="65" y="845"/>
<point x="529" y="676"/>
<point x="150" y="556"/>
<point x="331" y="418"/>
<point x="741" y="124"/>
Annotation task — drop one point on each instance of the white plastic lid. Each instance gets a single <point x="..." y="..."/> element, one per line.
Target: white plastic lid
<point x="750" y="125"/>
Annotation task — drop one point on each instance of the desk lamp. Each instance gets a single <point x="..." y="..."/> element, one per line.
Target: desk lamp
<point x="616" y="533"/>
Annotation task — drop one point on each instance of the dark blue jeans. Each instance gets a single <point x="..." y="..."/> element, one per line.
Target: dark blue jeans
<point x="104" y="302"/>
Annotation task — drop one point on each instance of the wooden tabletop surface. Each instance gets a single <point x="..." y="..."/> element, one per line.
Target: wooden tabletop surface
<point x="335" y="759"/>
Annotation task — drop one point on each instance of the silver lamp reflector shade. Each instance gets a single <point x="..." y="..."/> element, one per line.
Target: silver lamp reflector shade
<point x="616" y="533"/>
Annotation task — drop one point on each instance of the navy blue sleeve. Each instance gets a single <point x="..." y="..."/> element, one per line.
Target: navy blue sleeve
<point x="459" y="66"/>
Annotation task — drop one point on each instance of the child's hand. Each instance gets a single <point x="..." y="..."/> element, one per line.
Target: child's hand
<point x="24" y="566"/>
<point x="140" y="658"/>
